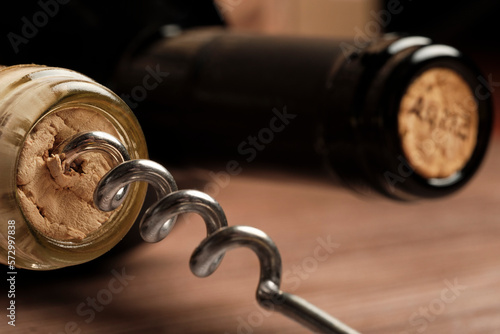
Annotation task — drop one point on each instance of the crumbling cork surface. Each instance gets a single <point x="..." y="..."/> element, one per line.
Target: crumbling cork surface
<point x="60" y="205"/>
<point x="438" y="123"/>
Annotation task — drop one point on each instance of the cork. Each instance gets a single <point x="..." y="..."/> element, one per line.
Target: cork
<point x="438" y="123"/>
<point x="59" y="204"/>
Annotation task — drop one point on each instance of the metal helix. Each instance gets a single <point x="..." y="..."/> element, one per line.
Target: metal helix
<point x="160" y="218"/>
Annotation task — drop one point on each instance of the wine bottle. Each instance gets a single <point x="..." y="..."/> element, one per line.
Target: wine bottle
<point x="399" y="116"/>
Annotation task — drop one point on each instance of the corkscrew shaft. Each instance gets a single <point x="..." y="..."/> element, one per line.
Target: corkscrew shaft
<point x="160" y="218"/>
<point x="269" y="294"/>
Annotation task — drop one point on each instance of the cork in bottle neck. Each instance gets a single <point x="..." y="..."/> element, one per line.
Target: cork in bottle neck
<point x="438" y="123"/>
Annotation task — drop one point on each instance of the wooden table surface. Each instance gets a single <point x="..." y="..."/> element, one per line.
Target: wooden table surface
<point x="426" y="267"/>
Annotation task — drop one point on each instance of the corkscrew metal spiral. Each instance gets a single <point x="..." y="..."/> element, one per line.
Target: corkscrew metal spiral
<point x="160" y="218"/>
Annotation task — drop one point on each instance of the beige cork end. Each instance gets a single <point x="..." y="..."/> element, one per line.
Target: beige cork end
<point x="59" y="204"/>
<point x="438" y="123"/>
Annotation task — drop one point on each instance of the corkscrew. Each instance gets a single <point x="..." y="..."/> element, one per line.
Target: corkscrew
<point x="160" y="218"/>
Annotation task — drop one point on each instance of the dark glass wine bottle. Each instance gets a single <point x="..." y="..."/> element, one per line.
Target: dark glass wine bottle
<point x="400" y="116"/>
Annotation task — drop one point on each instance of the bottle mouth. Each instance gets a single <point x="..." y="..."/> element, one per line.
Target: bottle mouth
<point x="414" y="126"/>
<point x="442" y="126"/>
<point x="31" y="94"/>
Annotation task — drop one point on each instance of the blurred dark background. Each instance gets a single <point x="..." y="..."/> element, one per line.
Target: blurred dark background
<point x="465" y="24"/>
<point x="95" y="33"/>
